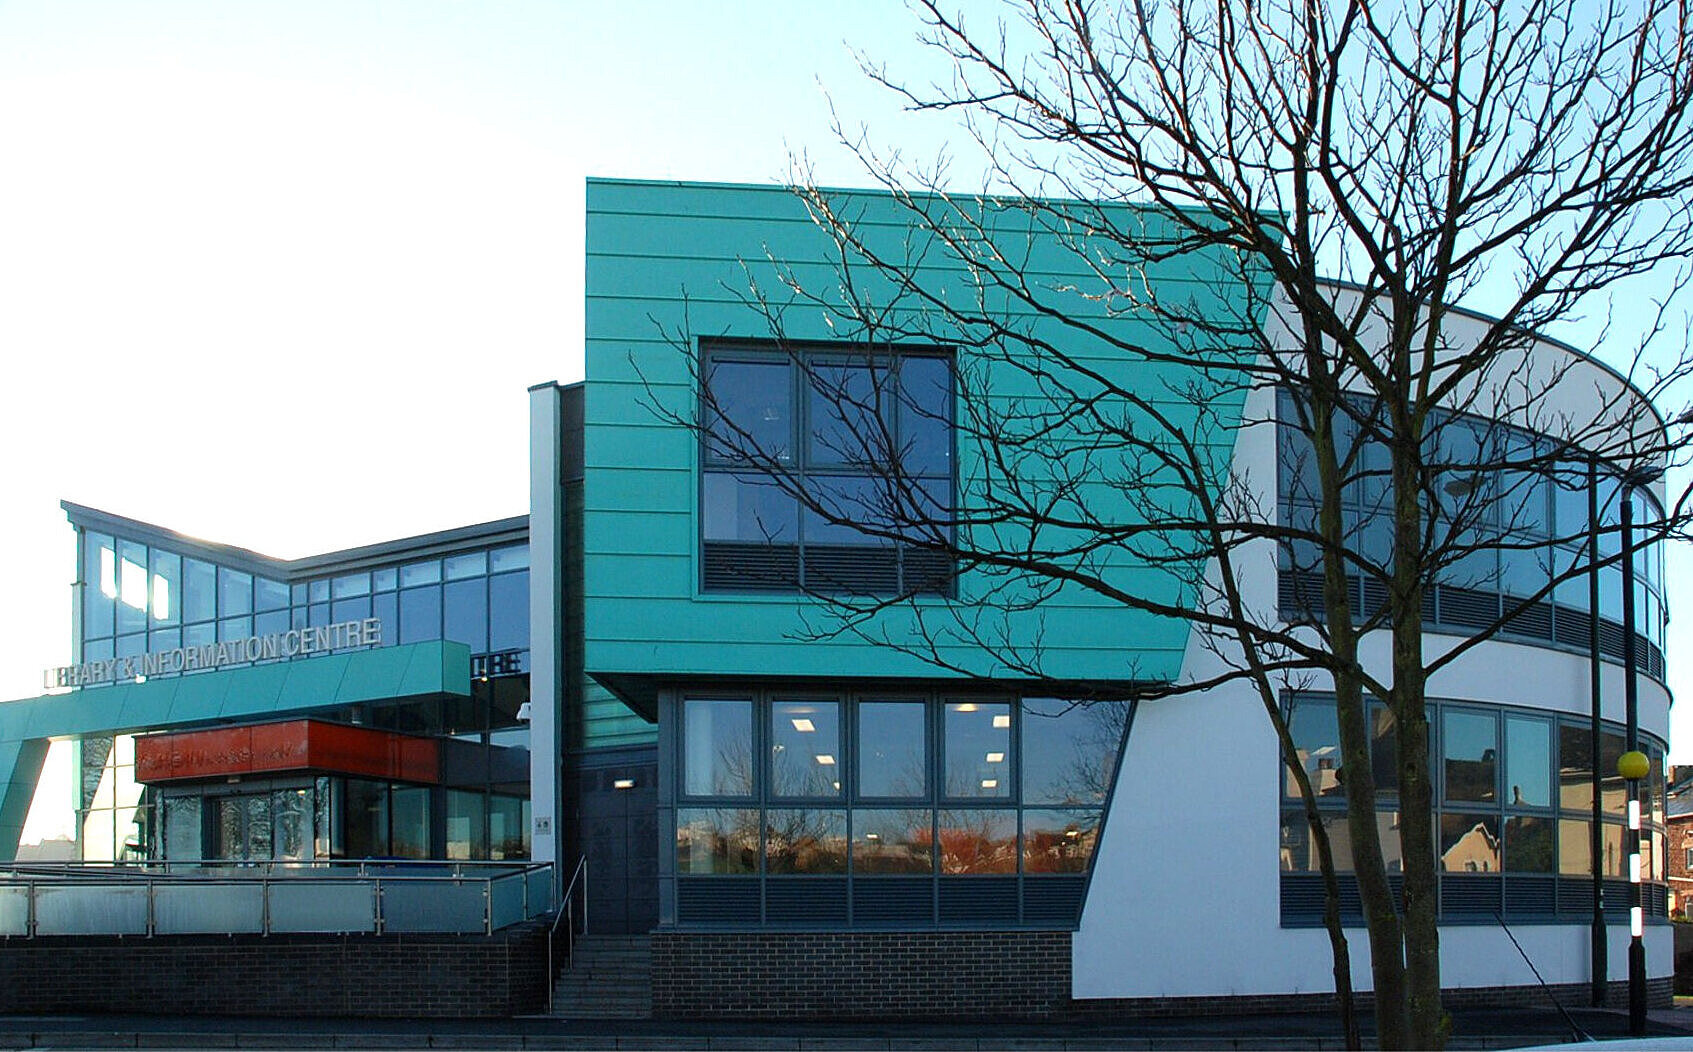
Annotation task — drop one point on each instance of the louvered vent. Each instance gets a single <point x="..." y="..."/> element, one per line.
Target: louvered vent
<point x="1534" y="622"/>
<point x="1053" y="900"/>
<point x="1466" y="896"/>
<point x="1468" y="607"/>
<point x="712" y="900"/>
<point x="808" y="901"/>
<point x="851" y="569"/>
<point x="893" y="900"/>
<point x="928" y="572"/>
<point x="978" y="900"/>
<point x="1527" y="895"/>
<point x="742" y="567"/>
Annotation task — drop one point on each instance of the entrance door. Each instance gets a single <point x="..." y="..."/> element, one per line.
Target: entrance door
<point x="241" y="828"/>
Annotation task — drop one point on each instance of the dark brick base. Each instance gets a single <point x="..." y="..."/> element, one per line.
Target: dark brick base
<point x="435" y="976"/>
<point x="867" y="974"/>
<point x="948" y="974"/>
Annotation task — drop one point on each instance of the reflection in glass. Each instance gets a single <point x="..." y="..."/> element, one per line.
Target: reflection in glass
<point x="805" y="749"/>
<point x="199" y="590"/>
<point x="748" y="508"/>
<point x="1575" y="769"/>
<point x="1316" y="733"/>
<point x="409" y="828"/>
<point x="1471" y="751"/>
<point x="1070" y="750"/>
<point x="235" y="592"/>
<point x="716" y="840"/>
<point x="1059" y="841"/>
<point x="805" y="840"/>
<point x="1575" y="851"/>
<point x="167" y="587"/>
<point x="1613" y="861"/>
<point x="978" y="841"/>
<point x="1299" y="850"/>
<point x="470" y="564"/>
<point x="892" y="749"/>
<point x="464" y="825"/>
<point x="1613" y="790"/>
<point x="465" y="613"/>
<point x="716" y="747"/>
<point x="978" y="750"/>
<point x="1384" y="749"/>
<point x="364" y="818"/>
<point x="1469" y="843"/>
<point x="1528" y="844"/>
<point x="293" y="819"/>
<point x="1528" y="762"/>
<point x="893" y="841"/>
<point x="420" y="614"/>
<point x="182" y="828"/>
<point x="508" y="611"/>
<point x="749" y="410"/>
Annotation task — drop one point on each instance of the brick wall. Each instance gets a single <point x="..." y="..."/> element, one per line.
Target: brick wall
<point x="867" y="974"/>
<point x="440" y="976"/>
<point x="942" y="974"/>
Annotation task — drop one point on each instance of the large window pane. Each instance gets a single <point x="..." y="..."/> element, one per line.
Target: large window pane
<point x="410" y="828"/>
<point x="420" y="614"/>
<point x="132" y="587"/>
<point x="465" y="836"/>
<point x="269" y="595"/>
<point x="1613" y="791"/>
<point x="716" y="840"/>
<point x="235" y="592"/>
<point x="508" y="611"/>
<point x="1059" y="841"/>
<point x="805" y="840"/>
<point x="1469" y="843"/>
<point x="748" y="508"/>
<point x="1528" y="762"/>
<point x="1316" y="734"/>
<point x="1069" y="750"/>
<point x="99" y="584"/>
<point x="364" y="818"/>
<point x="1299" y="850"/>
<point x="978" y="750"/>
<point x="892" y="749"/>
<point x="1470" y="746"/>
<point x="199" y="590"/>
<point x="1575" y="768"/>
<point x="893" y="841"/>
<point x="716" y="747"/>
<point x="978" y="841"/>
<point x="465" y="613"/>
<point x="1575" y="850"/>
<point x="850" y="411"/>
<point x="1528" y="844"/>
<point x="805" y="749"/>
<point x="748" y="410"/>
<point x="167" y="587"/>
<point x="925" y="417"/>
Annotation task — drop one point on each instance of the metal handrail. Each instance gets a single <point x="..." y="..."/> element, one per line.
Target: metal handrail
<point x="34" y="879"/>
<point x="580" y="873"/>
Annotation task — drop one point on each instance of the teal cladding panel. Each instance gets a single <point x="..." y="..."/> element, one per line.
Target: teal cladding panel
<point x="670" y="264"/>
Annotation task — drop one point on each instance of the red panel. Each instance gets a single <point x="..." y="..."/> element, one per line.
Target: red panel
<point x="292" y="745"/>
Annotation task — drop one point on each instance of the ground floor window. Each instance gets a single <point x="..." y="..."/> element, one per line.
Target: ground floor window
<point x="1514" y="794"/>
<point x="879" y="808"/>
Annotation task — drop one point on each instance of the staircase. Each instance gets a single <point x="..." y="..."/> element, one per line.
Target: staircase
<point x="610" y="978"/>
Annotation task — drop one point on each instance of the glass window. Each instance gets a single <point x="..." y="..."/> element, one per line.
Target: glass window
<point x="410" y="822"/>
<point x="364" y="818"/>
<point x="132" y="587"/>
<point x="1299" y="851"/>
<point x="385" y="607"/>
<point x="805" y="840"/>
<point x="749" y="508"/>
<point x="893" y="744"/>
<point x="1059" y="841"/>
<point x="235" y="592"/>
<point x="1575" y="850"/>
<point x="500" y="560"/>
<point x="1528" y="844"/>
<point x="167" y="587"/>
<point x="272" y="621"/>
<point x="1528" y="762"/>
<point x="508" y="611"/>
<point x="199" y="590"/>
<point x="893" y="841"/>
<point x="182" y="829"/>
<point x="269" y="594"/>
<point x="1069" y="750"/>
<point x="1469" y="843"/>
<point x="749" y="409"/>
<point x="508" y="828"/>
<point x="131" y="645"/>
<point x="465" y="613"/>
<point x="978" y="841"/>
<point x="349" y="584"/>
<point x="384" y="580"/>
<point x="319" y="590"/>
<point x="805" y="749"/>
<point x="977" y="742"/>
<point x="465" y="836"/>
<point x="717" y="747"/>
<point x="850" y="412"/>
<point x="716" y="840"/>
<point x="233" y="628"/>
<point x="1471" y="752"/>
<point x="1575" y="769"/>
<point x="420" y="573"/>
<point x="199" y="635"/>
<point x="164" y="639"/>
<point x="1613" y="791"/>
<point x="354" y="609"/>
<point x="470" y="564"/>
<point x="925" y="416"/>
<point x="420" y="614"/>
<point x="1316" y="734"/>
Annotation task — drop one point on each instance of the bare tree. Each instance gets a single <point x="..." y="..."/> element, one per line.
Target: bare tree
<point x="1360" y="177"/>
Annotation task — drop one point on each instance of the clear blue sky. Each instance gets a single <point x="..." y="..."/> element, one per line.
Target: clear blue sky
<point x="278" y="274"/>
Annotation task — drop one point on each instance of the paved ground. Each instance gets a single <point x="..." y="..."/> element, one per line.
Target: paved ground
<point x="1472" y="1029"/>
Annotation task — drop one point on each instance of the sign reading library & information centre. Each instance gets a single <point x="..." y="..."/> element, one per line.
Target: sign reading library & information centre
<point x="296" y="642"/>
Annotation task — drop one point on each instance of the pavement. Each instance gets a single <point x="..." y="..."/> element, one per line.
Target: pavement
<point x="1472" y="1029"/>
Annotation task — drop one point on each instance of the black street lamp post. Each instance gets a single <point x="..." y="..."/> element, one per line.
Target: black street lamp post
<point x="1630" y="766"/>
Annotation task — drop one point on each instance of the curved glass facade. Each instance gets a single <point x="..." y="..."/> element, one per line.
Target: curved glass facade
<point x="1514" y="792"/>
<point x="1510" y="514"/>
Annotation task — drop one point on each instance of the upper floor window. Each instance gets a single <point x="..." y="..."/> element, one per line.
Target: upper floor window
<point x="826" y="467"/>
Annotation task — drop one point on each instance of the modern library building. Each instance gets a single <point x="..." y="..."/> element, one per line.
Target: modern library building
<point x="732" y="688"/>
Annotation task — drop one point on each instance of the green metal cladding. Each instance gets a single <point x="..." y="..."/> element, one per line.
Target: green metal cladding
<point x="669" y="264"/>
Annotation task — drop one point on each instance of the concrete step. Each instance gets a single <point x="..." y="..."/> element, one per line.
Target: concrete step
<point x="610" y="977"/>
